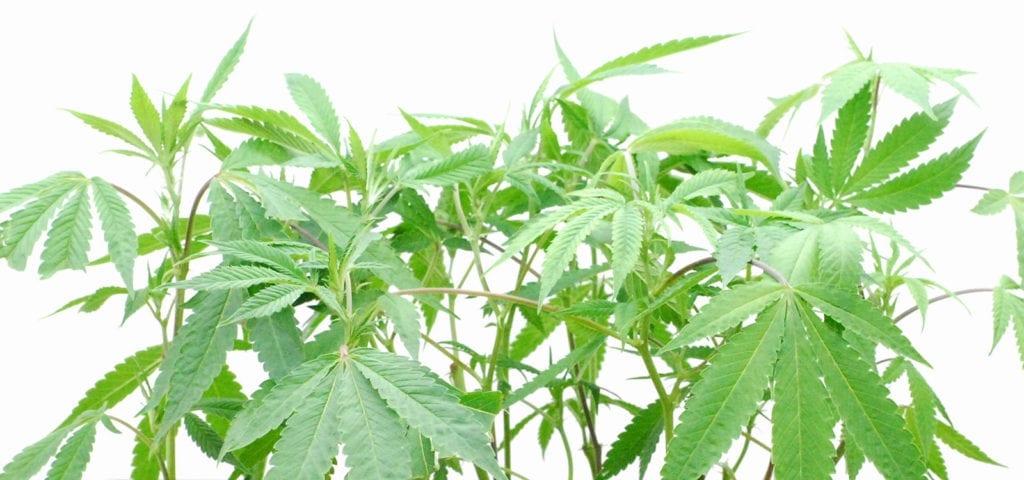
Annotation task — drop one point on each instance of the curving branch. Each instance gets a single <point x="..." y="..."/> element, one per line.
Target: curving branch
<point x="944" y="296"/>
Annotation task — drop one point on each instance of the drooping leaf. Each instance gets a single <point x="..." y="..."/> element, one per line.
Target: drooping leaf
<point x="266" y="302"/>
<point x="118" y="229"/>
<point x="907" y="82"/>
<point x="637" y="441"/>
<point x="312" y="99"/>
<point x="563" y="248"/>
<point x="209" y="441"/>
<point x="311" y="435"/>
<point x="276" y="340"/>
<point x="145" y="463"/>
<point x="34" y="457"/>
<point x="724" y="311"/>
<point x="418" y="397"/>
<point x="22" y="194"/>
<point x="844" y="83"/>
<point x="67" y="244"/>
<point x="992" y="202"/>
<point x="118" y="383"/>
<point x="25" y="226"/>
<point x="919" y="186"/>
<point x="957" y="441"/>
<point x="705" y="183"/>
<point x="262" y="253"/>
<point x="226" y="277"/>
<point x="735" y="248"/>
<point x="116" y="130"/>
<point x="726" y="396"/>
<point x="871" y="418"/>
<point x="226" y="66"/>
<point x="696" y="134"/>
<point x="460" y="167"/>
<point x="372" y="433"/>
<point x="405" y="318"/>
<point x="70" y="461"/>
<point x="627" y="240"/>
<point x="574" y="357"/>
<point x="922" y="410"/>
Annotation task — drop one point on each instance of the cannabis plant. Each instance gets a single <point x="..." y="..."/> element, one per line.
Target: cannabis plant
<point x="418" y="304"/>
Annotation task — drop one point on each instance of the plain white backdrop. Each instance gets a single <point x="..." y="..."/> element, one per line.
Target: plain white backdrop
<point x="485" y="59"/>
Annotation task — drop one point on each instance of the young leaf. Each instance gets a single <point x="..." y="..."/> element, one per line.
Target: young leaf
<point x="115" y="130"/>
<point x="225" y="67"/>
<point x="562" y="250"/>
<point x="226" y="277"/>
<point x="802" y="424"/>
<point x="70" y="462"/>
<point x="405" y="318"/>
<point x="726" y="395"/>
<point x="276" y="340"/>
<point x="849" y="136"/>
<point x="145" y="463"/>
<point x="312" y="99"/>
<point x="783" y="105"/>
<point x="146" y="115"/>
<point x="34" y="457"/>
<point x="262" y="253"/>
<point x="67" y="244"/>
<point x="696" y="134"/>
<point x="839" y="257"/>
<point x="311" y="436"/>
<point x="574" y="357"/>
<point x="919" y="186"/>
<point x="992" y="202"/>
<point x="425" y="405"/>
<point x="735" y="248"/>
<point x="267" y="301"/>
<point x="627" y="241"/>
<point x="209" y="441"/>
<point x="907" y="82"/>
<point x="724" y="311"/>
<point x="705" y="183"/>
<point x="460" y="167"/>
<point x="861" y="317"/>
<point x="637" y="441"/>
<point x="19" y="195"/>
<point x="118" y="229"/>
<point x="844" y="83"/>
<point x="871" y="418"/>
<point x="957" y="441"/>
<point x="371" y="432"/>
<point x="118" y="383"/>
<point x="660" y="50"/>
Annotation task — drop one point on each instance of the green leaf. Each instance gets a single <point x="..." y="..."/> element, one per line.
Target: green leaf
<point x="262" y="253"/>
<point x="275" y="402"/>
<point x="706" y="183"/>
<point x="848" y="138"/>
<point x="256" y="152"/>
<point x="784" y="105"/>
<point x="267" y="301"/>
<point x="460" y="167"/>
<point x="992" y="202"/>
<point x="1016" y="184"/>
<point x="115" y="130"/>
<point x="172" y="118"/>
<point x="726" y="395"/>
<point x="627" y="240"/>
<point x="146" y="115"/>
<point x="820" y="172"/>
<point x="900" y="146"/>
<point x="660" y="50"/>
<point x="195" y="357"/>
<point x="34" y="457"/>
<point x="209" y="441"/>
<point x="226" y="277"/>
<point x="696" y="134"/>
<point x="563" y="248"/>
<point x="277" y="342"/>
<point x="957" y="441"/>
<point x="23" y="229"/>
<point x="311" y="436"/>
<point x="285" y="201"/>
<point x="118" y="229"/>
<point x="802" y="424"/>
<point x="145" y="463"/>
<point x="840" y="253"/>
<point x="907" y="82"/>
<point x="312" y="99"/>
<point x="67" y="243"/>
<point x="225" y="67"/>
<point x="19" y="195"/>
<point x="574" y="357"/>
<point x="70" y="462"/>
<point x="724" y="311"/>
<point x="922" y="410"/>
<point x="919" y="186"/>
<point x="117" y="384"/>
<point x="419" y="398"/>
<point x="540" y="225"/>
<point x="871" y="418"/>
<point x="861" y="317"/>
<point x="371" y="432"/>
<point x="844" y="83"/>
<point x="405" y="318"/>
<point x="93" y="301"/>
<point x="735" y="248"/>
<point x="637" y="441"/>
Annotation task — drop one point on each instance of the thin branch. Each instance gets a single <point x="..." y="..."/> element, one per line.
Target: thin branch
<point x="138" y="201"/>
<point x="309" y="237"/>
<point x="771" y="272"/>
<point x="944" y="296"/>
<point x="147" y="441"/>
<point x="972" y="187"/>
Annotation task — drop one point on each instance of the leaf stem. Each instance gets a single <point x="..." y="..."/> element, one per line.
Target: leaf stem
<point x="972" y="187"/>
<point x="148" y="441"/>
<point x="182" y="268"/>
<point x="138" y="201"/>
<point x="944" y="296"/>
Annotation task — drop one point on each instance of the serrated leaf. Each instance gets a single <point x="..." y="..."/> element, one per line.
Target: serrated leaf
<point x="256" y="152"/>
<point x="146" y="115"/>
<point x="116" y="130"/>
<point x="802" y="425"/>
<point x="900" y="146"/>
<point x="637" y="441"/>
<point x="267" y="301"/>
<point x="871" y="418"/>
<point x="922" y="410"/>
<point x="843" y="84"/>
<point x="405" y="318"/>
<point x="118" y="383"/>
<point x="627" y="240"/>
<point x="957" y="441"/>
<point x="285" y="201"/>
<point x="460" y="167"/>
<point x="726" y="396"/>
<point x="992" y="202"/>
<point x="907" y="82"/>
<point x="784" y="105"/>
<point x="840" y="253"/>
<point x="542" y="380"/>
<point x="145" y="463"/>
<point x="209" y="441"/>
<point x="660" y="50"/>
<point x="67" y="243"/>
<point x="274" y="402"/>
<point x="311" y="435"/>
<point x="724" y="311"/>
<point x="70" y="462"/>
<point x="118" y="229"/>
<point x="848" y="138"/>
<point x="93" y="301"/>
<point x="277" y="342"/>
<point x="705" y="183"/>
<point x="226" y="66"/>
<point x="262" y="253"/>
<point x="1016" y="184"/>
<point x="539" y="225"/>
<point x="372" y="433"/>
<point x="195" y="357"/>
<point x="861" y="317"/>
<point x="418" y="397"/>
<point x="919" y="293"/>
<point x="563" y="248"/>
<point x="919" y="186"/>
<point x="693" y="135"/>
<point x="23" y="229"/>
<point x="34" y="457"/>
<point x="312" y="99"/>
<point x="19" y="195"/>
<point x="173" y="115"/>
<point x="735" y="248"/>
<point x="226" y="277"/>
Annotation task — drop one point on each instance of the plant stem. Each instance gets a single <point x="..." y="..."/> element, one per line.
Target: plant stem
<point x="181" y="268"/>
<point x="667" y="405"/>
<point x="944" y="296"/>
<point x="146" y="440"/>
<point x="138" y="201"/>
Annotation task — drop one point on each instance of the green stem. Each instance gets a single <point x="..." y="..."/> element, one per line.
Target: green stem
<point x="667" y="405"/>
<point x="944" y="296"/>
<point x="138" y="201"/>
<point x="146" y="440"/>
<point x="183" y="264"/>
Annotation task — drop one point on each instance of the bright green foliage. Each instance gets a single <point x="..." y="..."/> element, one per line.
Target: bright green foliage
<point x="340" y="254"/>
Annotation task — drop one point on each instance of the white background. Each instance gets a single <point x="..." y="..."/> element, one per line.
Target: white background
<point x="485" y="60"/>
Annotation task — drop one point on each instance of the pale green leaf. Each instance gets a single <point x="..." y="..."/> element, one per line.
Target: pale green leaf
<point x="900" y="146"/>
<point x="734" y="250"/>
<point x="820" y="171"/>
<point x="209" y="441"/>
<point x="145" y="463"/>
<point x="250" y="217"/>
<point x="696" y="134"/>
<point x="118" y="229"/>
<point x="520" y="146"/>
<point x="922" y="409"/>
<point x="848" y="138"/>
<point x="460" y="167"/>
<point x="637" y="441"/>
<point x="405" y="318"/>
<point x="706" y="183"/>
<point x="1016" y="184"/>
<point x="907" y="82"/>
<point x="1018" y="224"/>
<point x="67" y="243"/>
<point x="627" y="241"/>
<point x="533" y="333"/>
<point x="173" y="115"/>
<point x="542" y="380"/>
<point x="225" y="67"/>
<point x="871" y="418"/>
<point x="563" y="248"/>
<point x="420" y="399"/>
<point x="919" y="186"/>
<point x="726" y="395"/>
<point x="256" y="152"/>
<point x="311" y="435"/>
<point x="21" y="194"/>
<point x="267" y="301"/>
<point x="274" y="402"/>
<point x="93" y="301"/>
<point x="802" y="424"/>
<point x="860" y="316"/>
<point x="919" y="292"/>
<point x="277" y="342"/>
<point x="660" y="50"/>
<point x="70" y="461"/>
<point x="726" y="310"/>
<point x="372" y="433"/>
<point x="844" y="83"/>
<point x="115" y="130"/>
<point x="312" y="99"/>
<point x="784" y="105"/>
<point x="796" y="257"/>
<point x="146" y="115"/>
<point x="34" y="457"/>
<point x="992" y="202"/>
<point x="540" y="225"/>
<point x="285" y="201"/>
<point x="125" y="378"/>
<point x="840" y="252"/>
<point x="23" y="229"/>
<point x="226" y="277"/>
<point x="957" y="441"/>
<point x="262" y="253"/>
